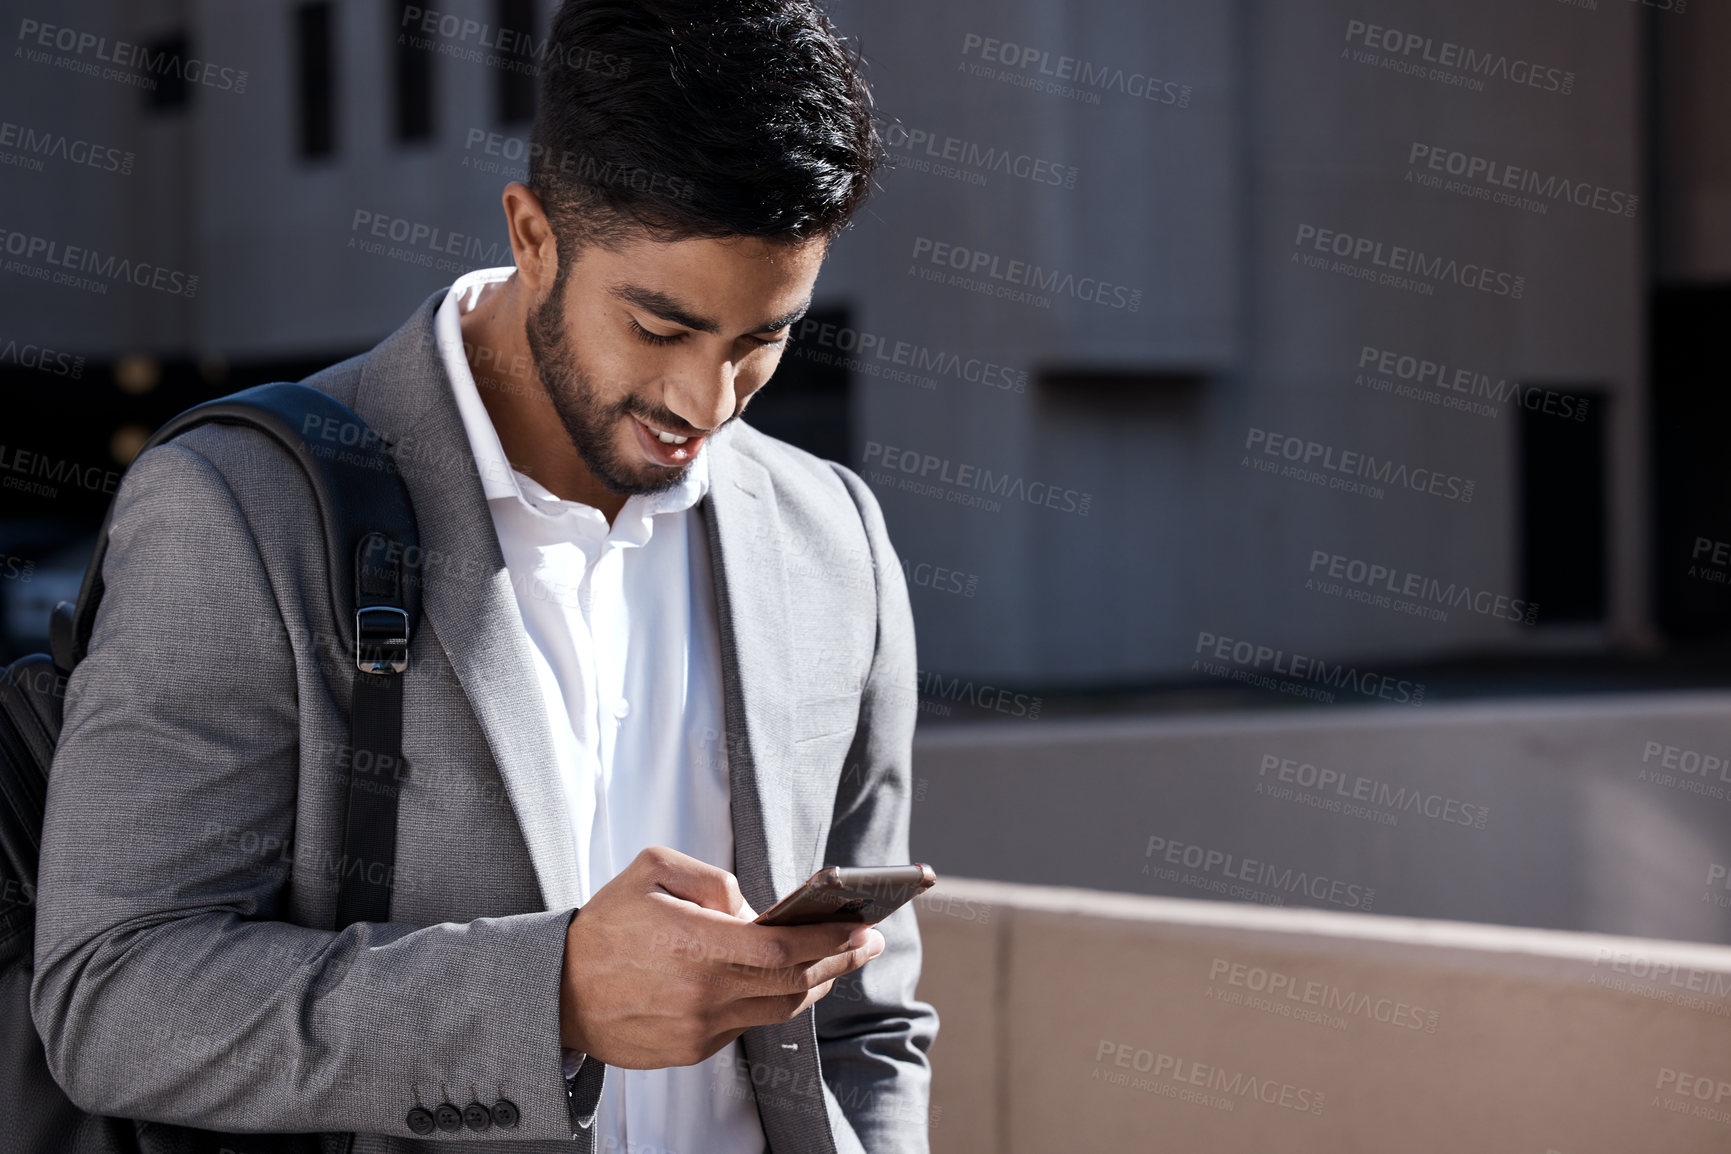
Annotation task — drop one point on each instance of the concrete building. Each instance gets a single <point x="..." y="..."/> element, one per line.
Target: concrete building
<point x="1115" y="276"/>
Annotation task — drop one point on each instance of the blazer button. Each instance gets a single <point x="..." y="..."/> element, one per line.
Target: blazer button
<point x="505" y="1114"/>
<point x="448" y="1117"/>
<point x="420" y="1121"/>
<point x="475" y="1116"/>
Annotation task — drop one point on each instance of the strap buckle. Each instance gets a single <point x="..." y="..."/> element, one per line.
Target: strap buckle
<point x="381" y="639"/>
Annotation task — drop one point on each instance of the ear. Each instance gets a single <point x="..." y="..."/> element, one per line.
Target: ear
<point x="533" y="244"/>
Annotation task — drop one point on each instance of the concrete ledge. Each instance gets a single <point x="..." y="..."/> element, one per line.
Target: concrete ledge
<point x="1079" y="1020"/>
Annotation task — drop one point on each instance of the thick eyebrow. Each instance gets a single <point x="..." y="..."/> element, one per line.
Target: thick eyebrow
<point x="785" y="319"/>
<point x="670" y="310"/>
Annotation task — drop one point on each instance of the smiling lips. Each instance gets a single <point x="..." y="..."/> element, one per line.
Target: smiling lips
<point x="665" y="448"/>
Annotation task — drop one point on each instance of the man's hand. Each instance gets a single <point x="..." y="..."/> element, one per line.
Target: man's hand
<point x="664" y="966"/>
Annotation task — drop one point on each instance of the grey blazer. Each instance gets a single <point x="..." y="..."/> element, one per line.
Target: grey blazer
<point x="186" y="968"/>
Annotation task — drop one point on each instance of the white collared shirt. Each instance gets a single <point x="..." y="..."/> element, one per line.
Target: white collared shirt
<point x="621" y="622"/>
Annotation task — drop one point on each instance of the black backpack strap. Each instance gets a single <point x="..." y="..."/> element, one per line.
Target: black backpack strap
<point x="382" y="630"/>
<point x="373" y="551"/>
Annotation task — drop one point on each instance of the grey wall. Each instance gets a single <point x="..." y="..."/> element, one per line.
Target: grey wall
<point x="1609" y="816"/>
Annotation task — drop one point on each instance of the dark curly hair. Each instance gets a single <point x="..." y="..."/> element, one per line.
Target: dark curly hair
<point x="699" y="118"/>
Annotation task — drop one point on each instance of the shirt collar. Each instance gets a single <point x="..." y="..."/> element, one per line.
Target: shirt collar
<point x="499" y="481"/>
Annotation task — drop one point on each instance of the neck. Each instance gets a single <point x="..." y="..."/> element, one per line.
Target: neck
<point x="518" y="403"/>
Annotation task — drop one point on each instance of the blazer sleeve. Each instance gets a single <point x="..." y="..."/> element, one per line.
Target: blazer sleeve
<point x="166" y="987"/>
<point x="873" y="1033"/>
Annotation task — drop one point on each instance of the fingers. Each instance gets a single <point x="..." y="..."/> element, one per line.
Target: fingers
<point x="772" y="1008"/>
<point x="691" y="880"/>
<point x="737" y="943"/>
<point x="759" y="960"/>
<point x="760" y="982"/>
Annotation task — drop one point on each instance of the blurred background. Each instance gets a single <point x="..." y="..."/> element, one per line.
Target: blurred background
<point x="1300" y="426"/>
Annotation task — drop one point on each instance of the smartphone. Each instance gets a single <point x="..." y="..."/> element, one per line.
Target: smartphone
<point x="859" y="894"/>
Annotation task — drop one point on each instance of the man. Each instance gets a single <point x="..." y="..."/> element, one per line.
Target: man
<point x="659" y="650"/>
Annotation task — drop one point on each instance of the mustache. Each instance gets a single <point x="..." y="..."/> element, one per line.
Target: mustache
<point x="666" y="419"/>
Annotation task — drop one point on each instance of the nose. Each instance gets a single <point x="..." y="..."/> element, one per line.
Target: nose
<point x="704" y="399"/>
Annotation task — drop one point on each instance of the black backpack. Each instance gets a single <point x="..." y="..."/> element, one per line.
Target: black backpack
<point x="373" y="550"/>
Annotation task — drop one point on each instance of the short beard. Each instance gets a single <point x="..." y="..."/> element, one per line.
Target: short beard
<point x="588" y="422"/>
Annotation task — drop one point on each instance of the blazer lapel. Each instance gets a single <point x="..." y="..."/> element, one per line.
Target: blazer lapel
<point x="745" y="549"/>
<point x="467" y="597"/>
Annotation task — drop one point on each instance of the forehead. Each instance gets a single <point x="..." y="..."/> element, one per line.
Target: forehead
<point x="732" y="279"/>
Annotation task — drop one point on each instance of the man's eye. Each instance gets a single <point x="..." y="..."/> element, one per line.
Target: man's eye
<point x="650" y="338"/>
<point x="777" y="340"/>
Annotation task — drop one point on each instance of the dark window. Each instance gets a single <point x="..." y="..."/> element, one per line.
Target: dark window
<point x="314" y="74"/>
<point x="414" y="71"/>
<point x="1691" y="497"/>
<point x="1563" y="532"/>
<point x="516" y="20"/>
<point x="164" y="61"/>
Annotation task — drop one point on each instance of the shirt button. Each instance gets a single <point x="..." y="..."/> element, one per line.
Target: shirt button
<point x="421" y="1120"/>
<point x="621" y="709"/>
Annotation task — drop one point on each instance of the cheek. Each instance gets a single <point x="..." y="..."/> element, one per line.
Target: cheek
<point x="755" y="372"/>
<point x="611" y="370"/>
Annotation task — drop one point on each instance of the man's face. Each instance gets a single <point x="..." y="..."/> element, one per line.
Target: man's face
<point x="665" y="338"/>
